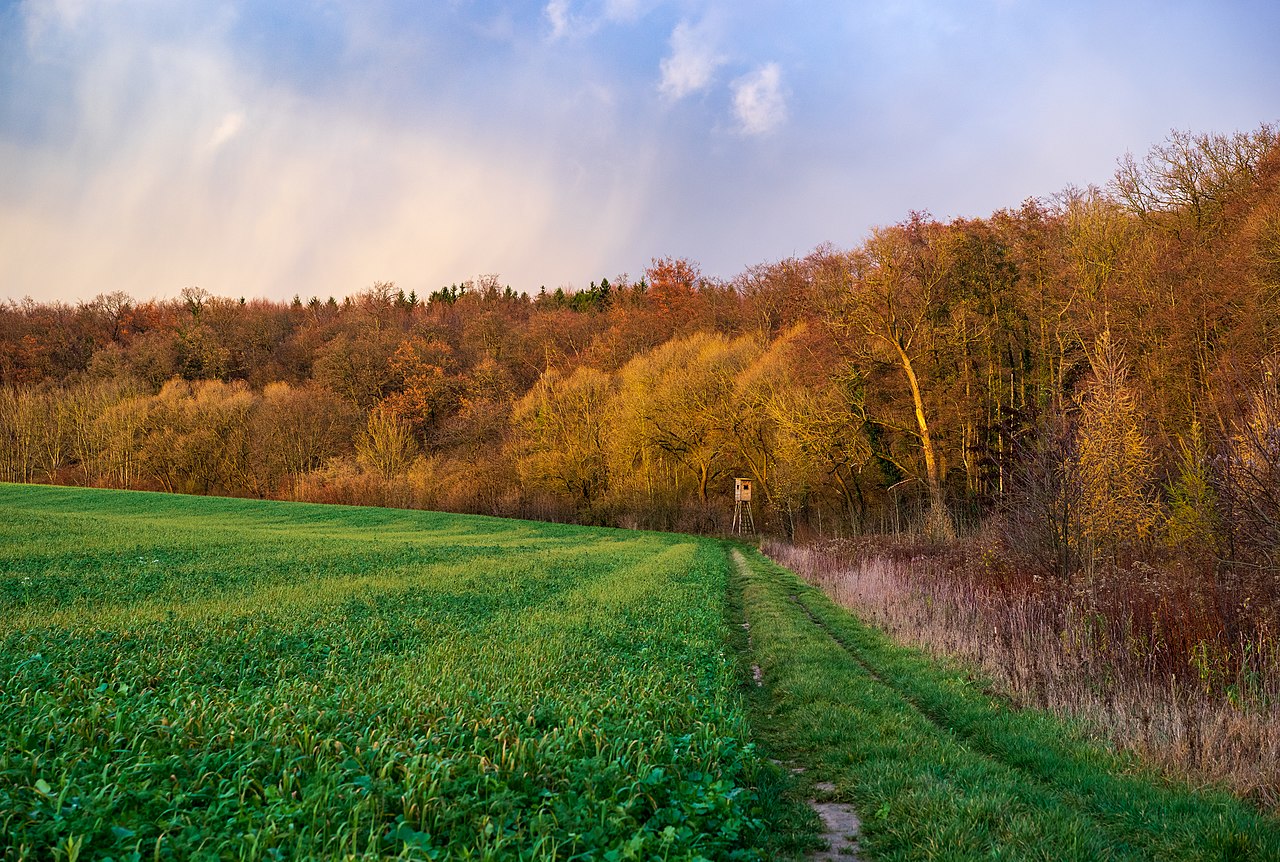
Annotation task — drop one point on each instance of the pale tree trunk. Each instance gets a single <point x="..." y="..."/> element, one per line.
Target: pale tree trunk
<point x="939" y="521"/>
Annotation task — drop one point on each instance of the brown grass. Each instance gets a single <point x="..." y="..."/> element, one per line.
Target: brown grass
<point x="1141" y="656"/>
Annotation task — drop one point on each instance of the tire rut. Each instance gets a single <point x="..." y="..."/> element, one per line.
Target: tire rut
<point x="963" y="739"/>
<point x="841" y="825"/>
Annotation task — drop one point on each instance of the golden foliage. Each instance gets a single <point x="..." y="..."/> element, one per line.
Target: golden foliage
<point x="1116" y="464"/>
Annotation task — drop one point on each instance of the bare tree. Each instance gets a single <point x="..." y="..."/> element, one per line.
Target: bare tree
<point x="1187" y="179"/>
<point x="387" y="444"/>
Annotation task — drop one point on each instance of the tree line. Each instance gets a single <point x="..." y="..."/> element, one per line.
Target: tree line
<point x="1092" y="374"/>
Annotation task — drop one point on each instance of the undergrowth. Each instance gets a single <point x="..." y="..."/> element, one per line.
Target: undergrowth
<point x="1146" y="660"/>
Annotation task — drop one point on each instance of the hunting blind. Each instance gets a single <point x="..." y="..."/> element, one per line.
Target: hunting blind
<point x="742" y="518"/>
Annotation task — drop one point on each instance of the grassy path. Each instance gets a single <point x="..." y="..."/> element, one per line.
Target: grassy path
<point x="939" y="768"/>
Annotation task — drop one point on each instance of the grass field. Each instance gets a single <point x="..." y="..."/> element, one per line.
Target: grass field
<point x="186" y="677"/>
<point x="202" y="678"/>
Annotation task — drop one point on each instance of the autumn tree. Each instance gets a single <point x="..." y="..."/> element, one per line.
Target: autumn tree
<point x="386" y="445"/>
<point x="486" y="397"/>
<point x="21" y="432"/>
<point x="675" y="411"/>
<point x="119" y="432"/>
<point x="422" y="367"/>
<point x="1117" y="505"/>
<point x="892" y="313"/>
<point x="85" y="404"/>
<point x="295" y="430"/>
<point x="561" y="441"/>
<point x="805" y="425"/>
<point x="673" y="284"/>
<point x="1192" y="520"/>
<point x="357" y="365"/>
<point x="196" y="437"/>
<point x="1186" y="181"/>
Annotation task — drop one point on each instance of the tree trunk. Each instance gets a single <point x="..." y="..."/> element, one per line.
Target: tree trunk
<point x="939" y="521"/>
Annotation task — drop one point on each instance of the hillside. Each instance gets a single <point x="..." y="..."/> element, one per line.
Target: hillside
<point x="924" y="373"/>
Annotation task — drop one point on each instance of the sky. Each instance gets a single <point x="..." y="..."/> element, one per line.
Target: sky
<point x="267" y="149"/>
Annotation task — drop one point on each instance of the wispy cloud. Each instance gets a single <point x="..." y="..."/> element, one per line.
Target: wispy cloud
<point x="758" y="100"/>
<point x="228" y="128"/>
<point x="589" y="18"/>
<point x="315" y="147"/>
<point x="692" y="63"/>
<point x="625" y="10"/>
<point x="557" y="13"/>
<point x="177" y="167"/>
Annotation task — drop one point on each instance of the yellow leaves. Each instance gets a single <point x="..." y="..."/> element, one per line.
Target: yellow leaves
<point x="1116" y="463"/>
<point x="387" y="444"/>
<point x="560" y="426"/>
<point x="1192" y="520"/>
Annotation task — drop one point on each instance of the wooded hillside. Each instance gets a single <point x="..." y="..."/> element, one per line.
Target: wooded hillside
<point x="1098" y="368"/>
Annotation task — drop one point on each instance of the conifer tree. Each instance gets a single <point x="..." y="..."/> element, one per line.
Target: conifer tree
<point x="1116" y="463"/>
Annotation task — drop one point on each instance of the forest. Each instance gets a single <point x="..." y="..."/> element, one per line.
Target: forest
<point x="1090" y="376"/>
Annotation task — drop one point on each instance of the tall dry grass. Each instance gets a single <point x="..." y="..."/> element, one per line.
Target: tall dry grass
<point x="1130" y="656"/>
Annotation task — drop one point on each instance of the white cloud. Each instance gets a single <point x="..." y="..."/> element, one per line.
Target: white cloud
<point x="692" y="62"/>
<point x="758" y="101"/>
<point x="557" y="12"/>
<point x="230" y="126"/>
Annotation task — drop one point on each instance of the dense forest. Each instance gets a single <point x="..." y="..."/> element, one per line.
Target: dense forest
<point x="1092" y="375"/>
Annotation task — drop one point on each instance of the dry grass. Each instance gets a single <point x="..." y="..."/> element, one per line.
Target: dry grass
<point x="1133" y="657"/>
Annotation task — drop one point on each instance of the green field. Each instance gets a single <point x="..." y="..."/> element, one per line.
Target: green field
<point x="185" y="677"/>
<point x="202" y="678"/>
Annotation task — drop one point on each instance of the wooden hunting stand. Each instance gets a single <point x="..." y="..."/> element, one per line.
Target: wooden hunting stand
<point x="742" y="518"/>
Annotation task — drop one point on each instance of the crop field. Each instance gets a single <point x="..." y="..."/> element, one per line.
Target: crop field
<point x="186" y="677"/>
<point x="202" y="678"/>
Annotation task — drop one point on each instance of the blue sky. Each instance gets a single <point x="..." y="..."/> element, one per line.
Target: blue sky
<point x="268" y="149"/>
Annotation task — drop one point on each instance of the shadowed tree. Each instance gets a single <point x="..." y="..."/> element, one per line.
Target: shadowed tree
<point x="1249" y="477"/>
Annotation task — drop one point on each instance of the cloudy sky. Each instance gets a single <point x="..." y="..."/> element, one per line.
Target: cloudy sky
<point x="274" y="148"/>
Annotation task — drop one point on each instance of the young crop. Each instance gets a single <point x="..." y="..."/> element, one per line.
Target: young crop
<point x="223" y="679"/>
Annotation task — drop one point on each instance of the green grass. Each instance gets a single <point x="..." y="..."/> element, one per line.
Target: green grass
<point x="940" y="769"/>
<point x="199" y="678"/>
